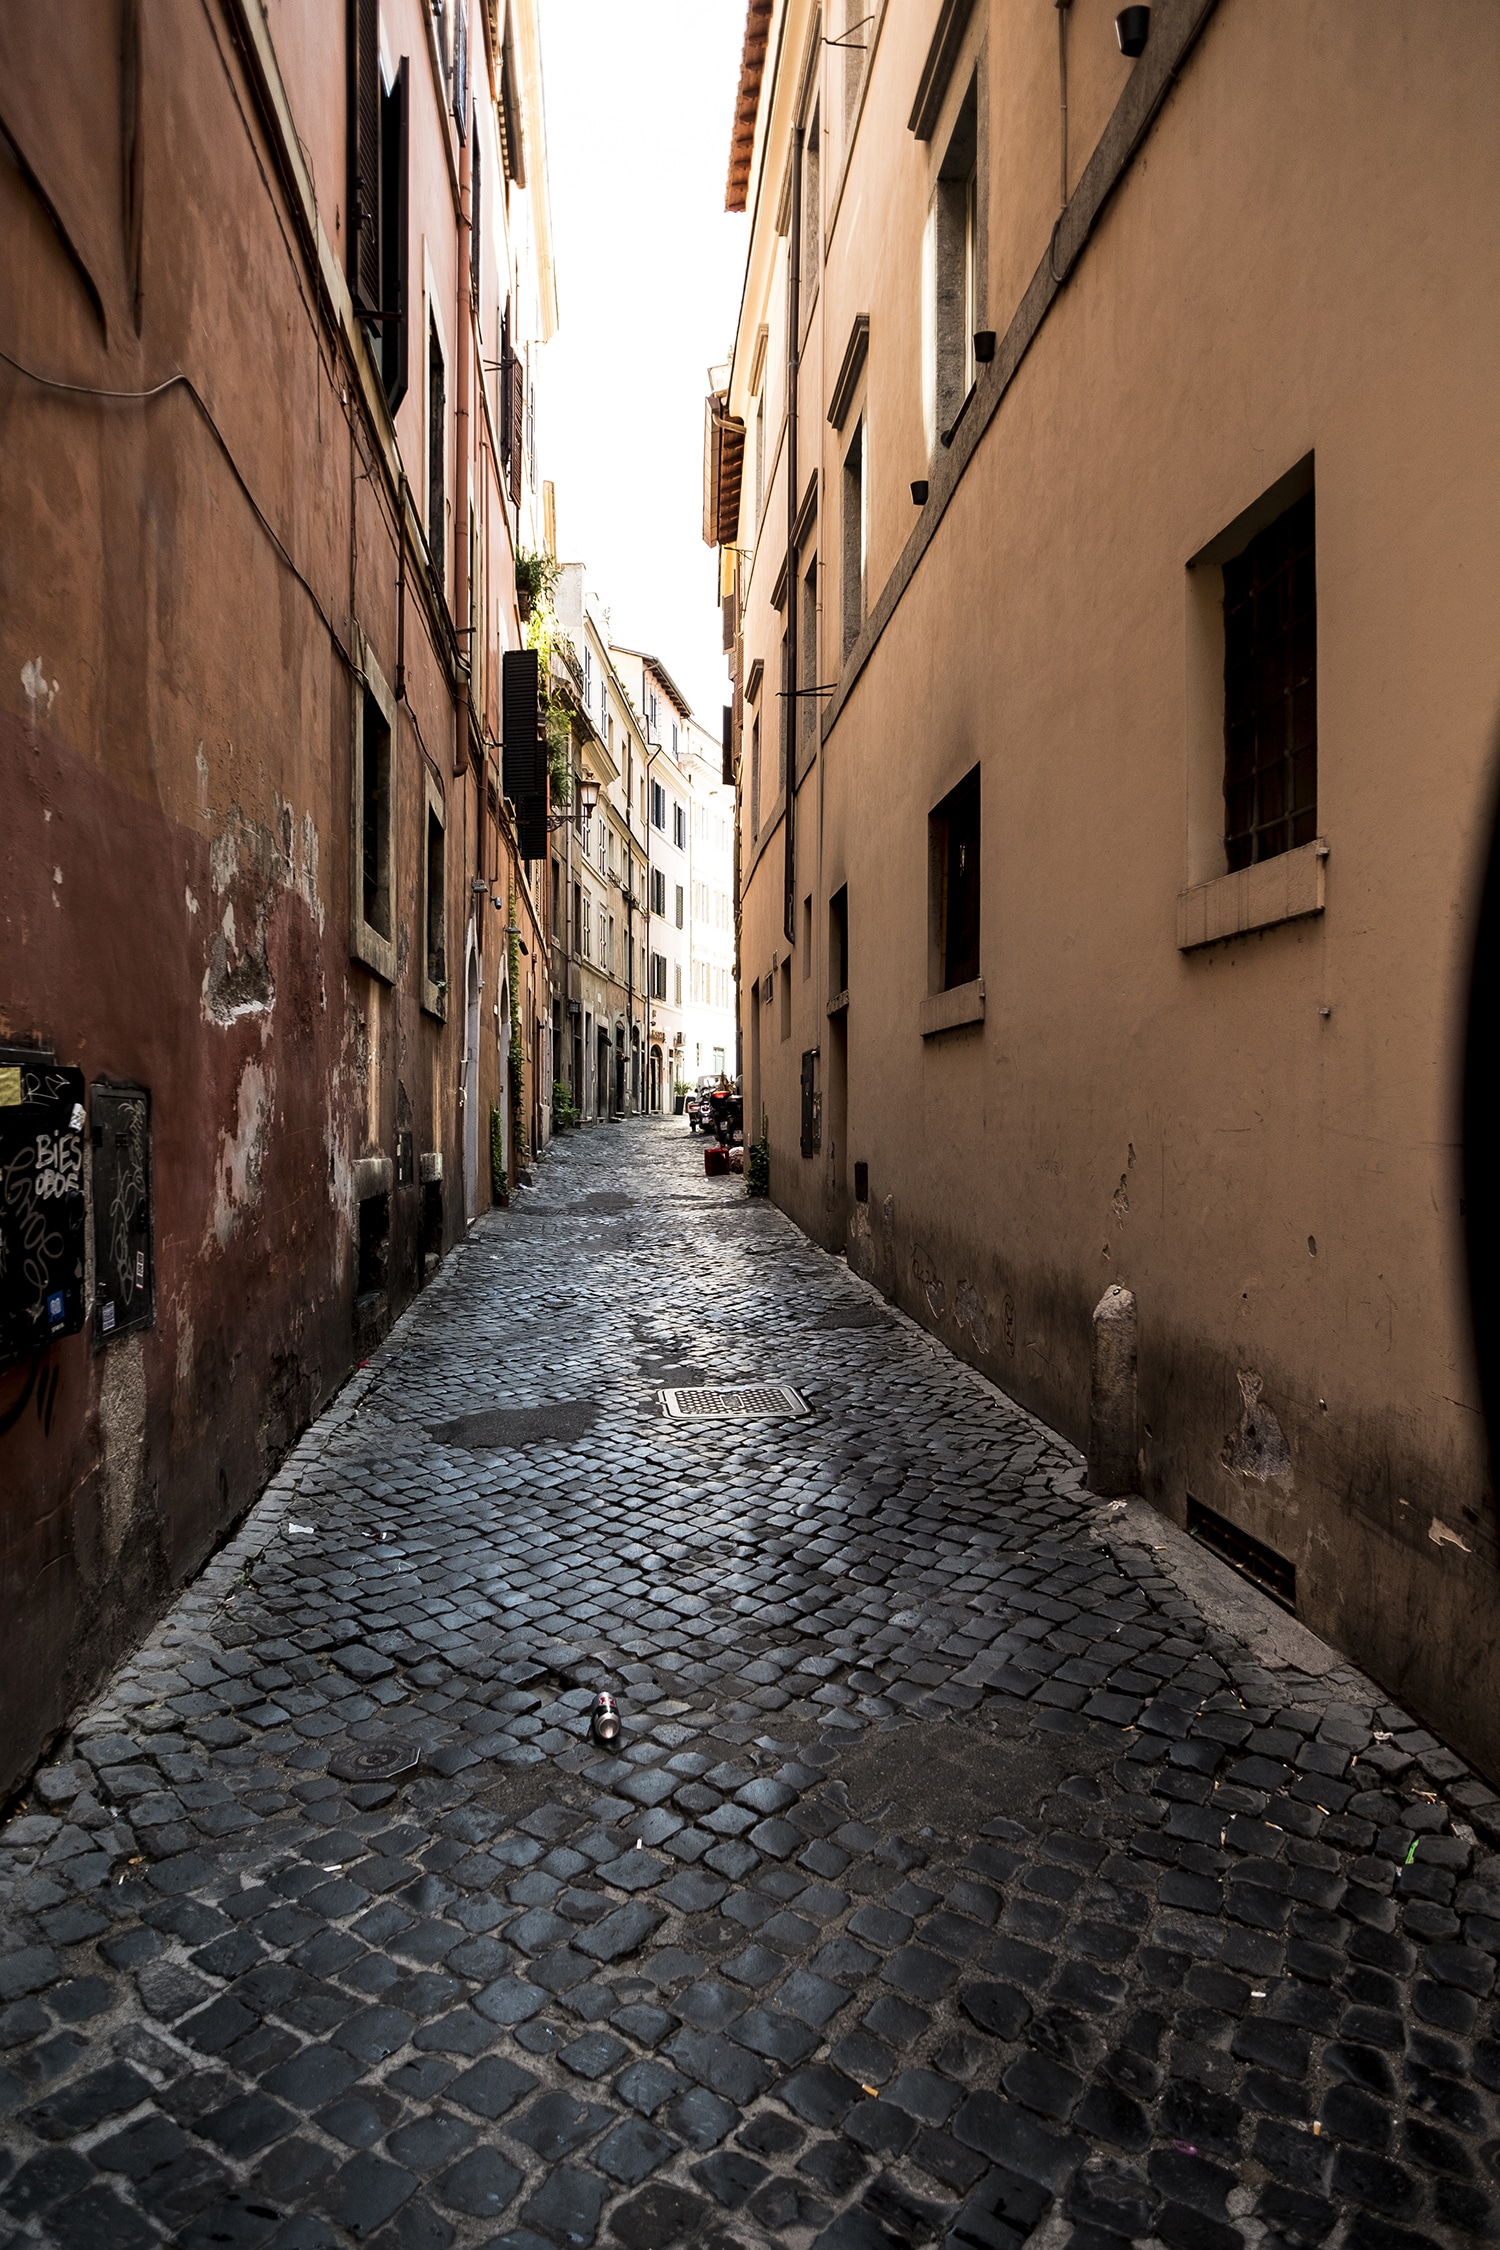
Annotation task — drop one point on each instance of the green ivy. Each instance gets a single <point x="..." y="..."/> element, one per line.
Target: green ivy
<point x="497" y="1153"/>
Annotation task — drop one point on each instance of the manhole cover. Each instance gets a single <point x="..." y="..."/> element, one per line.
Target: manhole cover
<point x="375" y="1761"/>
<point x="750" y="1402"/>
<point x="561" y="1421"/>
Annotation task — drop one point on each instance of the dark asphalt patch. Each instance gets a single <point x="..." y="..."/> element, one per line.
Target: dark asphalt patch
<point x="561" y="1422"/>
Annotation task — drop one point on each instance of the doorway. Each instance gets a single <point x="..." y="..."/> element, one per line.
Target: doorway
<point x="469" y="1088"/>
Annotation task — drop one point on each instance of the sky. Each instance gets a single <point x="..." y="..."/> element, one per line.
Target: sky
<point x="640" y="99"/>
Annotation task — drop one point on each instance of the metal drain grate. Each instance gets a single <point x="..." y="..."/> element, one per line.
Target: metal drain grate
<point x="750" y="1402"/>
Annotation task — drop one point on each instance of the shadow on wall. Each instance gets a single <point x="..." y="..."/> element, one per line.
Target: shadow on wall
<point x="1481" y="1128"/>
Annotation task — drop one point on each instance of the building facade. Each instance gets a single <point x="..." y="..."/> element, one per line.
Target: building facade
<point x="662" y="794"/>
<point x="710" y="1018"/>
<point x="273" y="993"/>
<point x="1106" y="486"/>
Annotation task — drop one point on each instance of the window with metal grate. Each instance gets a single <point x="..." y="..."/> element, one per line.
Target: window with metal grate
<point x="1270" y="692"/>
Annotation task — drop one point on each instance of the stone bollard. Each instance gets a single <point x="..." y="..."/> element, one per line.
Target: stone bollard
<point x="1112" y="1439"/>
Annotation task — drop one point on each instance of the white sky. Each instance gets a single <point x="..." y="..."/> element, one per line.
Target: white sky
<point x="640" y="100"/>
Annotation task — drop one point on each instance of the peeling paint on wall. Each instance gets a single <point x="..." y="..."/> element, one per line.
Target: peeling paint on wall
<point x="926" y="1275"/>
<point x="1257" y="1448"/>
<point x="39" y="691"/>
<point x="242" y="1154"/>
<point x="1443" y="1535"/>
<point x="969" y="1312"/>
<point x="122" y="1431"/>
<point x="238" y="980"/>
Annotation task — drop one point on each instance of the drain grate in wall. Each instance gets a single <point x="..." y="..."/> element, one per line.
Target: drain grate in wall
<point x="1264" y="1568"/>
<point x="749" y="1402"/>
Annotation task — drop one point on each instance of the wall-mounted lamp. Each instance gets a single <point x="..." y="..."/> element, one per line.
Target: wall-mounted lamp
<point x="1133" y="29"/>
<point x="919" y="492"/>
<point x="480" y="883"/>
<point x="984" y="345"/>
<point x="588" y="797"/>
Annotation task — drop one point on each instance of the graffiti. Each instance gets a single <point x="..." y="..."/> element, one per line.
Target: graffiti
<point x="122" y="1208"/>
<point x="59" y="1165"/>
<point x="41" y="1206"/>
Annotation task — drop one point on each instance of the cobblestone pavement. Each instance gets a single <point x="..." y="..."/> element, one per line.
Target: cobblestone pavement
<point x="958" y="1881"/>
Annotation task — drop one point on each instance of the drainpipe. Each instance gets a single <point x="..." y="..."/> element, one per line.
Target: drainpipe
<point x="789" y="684"/>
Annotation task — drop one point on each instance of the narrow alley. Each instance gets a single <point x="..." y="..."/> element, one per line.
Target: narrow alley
<point x="982" y="1863"/>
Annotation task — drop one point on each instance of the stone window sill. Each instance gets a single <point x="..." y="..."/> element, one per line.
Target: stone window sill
<point x="1283" y="889"/>
<point x="946" y="1011"/>
<point x="839" y="1004"/>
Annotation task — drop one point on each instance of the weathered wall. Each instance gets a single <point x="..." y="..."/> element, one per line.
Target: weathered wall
<point x="1258" y="1138"/>
<point x="185" y="591"/>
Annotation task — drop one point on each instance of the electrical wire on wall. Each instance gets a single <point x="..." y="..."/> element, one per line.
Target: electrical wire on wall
<point x="1062" y="7"/>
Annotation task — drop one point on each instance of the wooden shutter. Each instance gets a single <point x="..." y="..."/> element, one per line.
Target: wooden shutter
<point x="728" y="768"/>
<point x="517" y="418"/>
<point x="476" y="213"/>
<point x="525" y="770"/>
<point x="363" y="214"/>
<point x="395" y="207"/>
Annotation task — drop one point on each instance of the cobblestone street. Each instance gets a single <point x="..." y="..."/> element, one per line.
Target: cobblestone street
<point x="962" y="1879"/>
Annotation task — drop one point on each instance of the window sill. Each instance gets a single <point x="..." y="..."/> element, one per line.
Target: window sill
<point x="839" y="1004"/>
<point x="947" y="1011"/>
<point x="1284" y="889"/>
<point x="373" y="1175"/>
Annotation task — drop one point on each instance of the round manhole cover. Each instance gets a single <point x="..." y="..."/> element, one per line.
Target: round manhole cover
<point x="375" y="1761"/>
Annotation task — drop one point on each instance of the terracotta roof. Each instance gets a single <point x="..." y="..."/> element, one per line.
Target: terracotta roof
<point x="747" y="102"/>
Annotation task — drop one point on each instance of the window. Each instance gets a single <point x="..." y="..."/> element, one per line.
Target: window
<point x="954" y="273"/>
<point x="372" y="918"/>
<point x="1270" y="692"/>
<point x="658" y="803"/>
<point x="855" y="534"/>
<point x="786" y="999"/>
<point x="587" y="917"/>
<point x="679" y="826"/>
<point x="557" y="902"/>
<point x="718" y="1062"/>
<point x="807" y="653"/>
<point x="812" y="1104"/>
<point x="806" y="938"/>
<point x="674" y="738"/>
<point x="658" y="976"/>
<point x="377" y="196"/>
<point x="838" y="941"/>
<point x="435" y="904"/>
<point x="755" y="778"/>
<point x="436" y="454"/>
<point x="954" y="864"/>
<point x="658" y="893"/>
<point x="812" y="229"/>
<point x="679" y="906"/>
<point x="854" y="40"/>
<point x="677" y="972"/>
<point x="577" y="932"/>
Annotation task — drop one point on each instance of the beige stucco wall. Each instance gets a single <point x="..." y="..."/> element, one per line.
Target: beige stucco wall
<point x="1303" y="258"/>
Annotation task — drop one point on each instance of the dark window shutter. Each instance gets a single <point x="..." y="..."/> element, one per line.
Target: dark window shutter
<point x="517" y="427"/>
<point x="395" y="166"/>
<point x="461" y="69"/>
<point x="505" y="385"/>
<point x="363" y="214"/>
<point x="810" y="1122"/>
<point x="476" y="214"/>
<point x="437" y="459"/>
<point x="520" y="720"/>
<point x="729" y="745"/>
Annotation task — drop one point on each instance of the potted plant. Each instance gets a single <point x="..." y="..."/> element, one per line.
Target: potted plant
<point x="679" y="1096"/>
